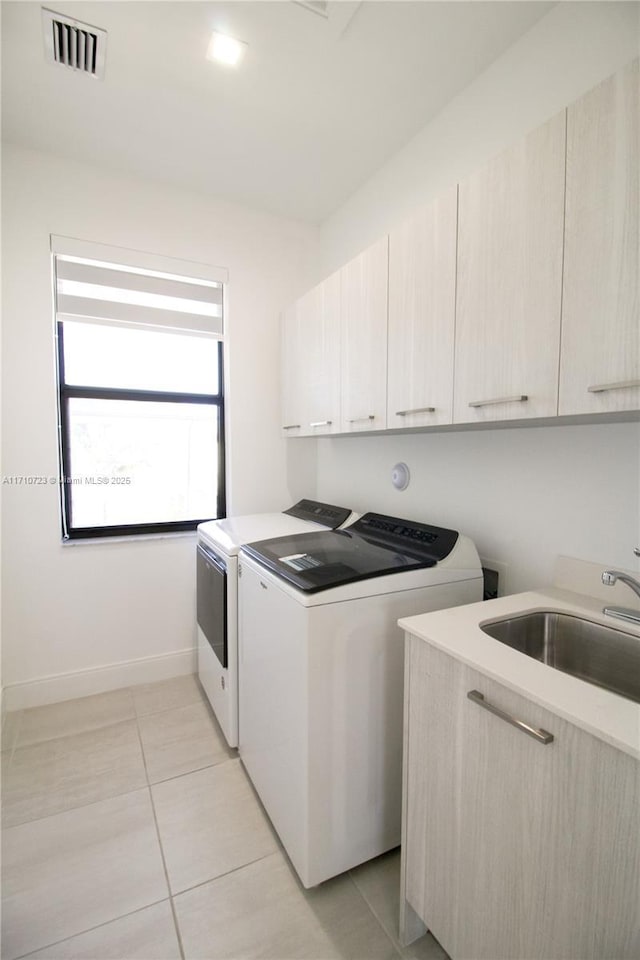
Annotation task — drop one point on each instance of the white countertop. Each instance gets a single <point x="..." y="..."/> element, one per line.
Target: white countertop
<point x="457" y="631"/>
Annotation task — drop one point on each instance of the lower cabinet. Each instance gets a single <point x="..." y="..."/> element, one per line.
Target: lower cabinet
<point x="513" y="848"/>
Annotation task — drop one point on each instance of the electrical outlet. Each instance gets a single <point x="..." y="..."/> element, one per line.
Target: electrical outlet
<point x="501" y="570"/>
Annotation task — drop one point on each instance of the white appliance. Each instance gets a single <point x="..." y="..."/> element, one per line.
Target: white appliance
<point x="321" y="678"/>
<point x="219" y="542"/>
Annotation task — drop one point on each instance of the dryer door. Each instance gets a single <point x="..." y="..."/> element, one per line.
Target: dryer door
<point x="212" y="601"/>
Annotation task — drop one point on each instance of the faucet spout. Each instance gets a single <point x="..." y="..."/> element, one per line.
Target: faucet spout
<point x="609" y="577"/>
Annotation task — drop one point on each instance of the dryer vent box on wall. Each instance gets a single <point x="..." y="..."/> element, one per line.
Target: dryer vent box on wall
<point x="74" y="45"/>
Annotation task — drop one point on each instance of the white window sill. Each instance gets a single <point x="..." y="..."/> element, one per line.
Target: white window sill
<point x="135" y="537"/>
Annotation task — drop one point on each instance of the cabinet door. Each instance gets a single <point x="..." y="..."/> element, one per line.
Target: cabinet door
<point x="294" y="413"/>
<point x="311" y="362"/>
<point x="422" y="292"/>
<point x="431" y="789"/>
<point x="516" y="848"/>
<point x="600" y="358"/>
<point x="364" y="285"/>
<point x="510" y="232"/>
<point x="320" y="338"/>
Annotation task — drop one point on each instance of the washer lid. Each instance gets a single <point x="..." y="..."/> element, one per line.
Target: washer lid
<point x="230" y="534"/>
<point x="374" y="546"/>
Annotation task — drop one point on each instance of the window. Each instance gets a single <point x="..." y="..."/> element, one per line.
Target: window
<point x="141" y="400"/>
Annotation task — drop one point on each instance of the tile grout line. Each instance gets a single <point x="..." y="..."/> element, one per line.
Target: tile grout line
<point x="373" y="913"/>
<point x="79" y="806"/>
<point x="73" y="733"/>
<point x="177" y="776"/>
<point x="162" y="856"/>
<point x="14" y="745"/>
<point x="98" y="926"/>
<point x="95" y="730"/>
<point x="12" y="749"/>
<point x="227" y="873"/>
<point x="155" y="713"/>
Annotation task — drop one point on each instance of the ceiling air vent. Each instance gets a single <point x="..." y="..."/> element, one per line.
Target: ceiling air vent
<point x="337" y="14"/>
<point x="74" y="45"/>
<point x="320" y="7"/>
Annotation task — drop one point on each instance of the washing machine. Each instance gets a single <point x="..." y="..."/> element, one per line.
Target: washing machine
<point x="321" y="677"/>
<point x="219" y="542"/>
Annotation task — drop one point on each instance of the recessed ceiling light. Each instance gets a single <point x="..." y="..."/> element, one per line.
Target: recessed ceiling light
<point x="225" y="49"/>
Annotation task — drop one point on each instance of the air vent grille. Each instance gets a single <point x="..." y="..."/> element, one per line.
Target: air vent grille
<point x="74" y="45"/>
<point x="321" y="7"/>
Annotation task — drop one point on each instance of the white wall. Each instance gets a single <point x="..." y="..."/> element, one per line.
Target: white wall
<point x="524" y="494"/>
<point x="72" y="609"/>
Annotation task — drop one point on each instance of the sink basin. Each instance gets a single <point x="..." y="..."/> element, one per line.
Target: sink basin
<point x="593" y="652"/>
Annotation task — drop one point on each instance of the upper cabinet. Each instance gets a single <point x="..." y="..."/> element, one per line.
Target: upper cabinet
<point x="364" y="286"/>
<point x="509" y="284"/>
<point x="311" y="358"/>
<point x="600" y="362"/>
<point x="422" y="295"/>
<point x="512" y="296"/>
<point x="321" y="347"/>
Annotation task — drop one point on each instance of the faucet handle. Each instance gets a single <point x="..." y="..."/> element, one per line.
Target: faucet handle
<point x="636" y="550"/>
<point x="608" y="578"/>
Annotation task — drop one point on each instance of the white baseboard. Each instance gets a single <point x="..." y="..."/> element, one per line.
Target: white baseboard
<point x="84" y="683"/>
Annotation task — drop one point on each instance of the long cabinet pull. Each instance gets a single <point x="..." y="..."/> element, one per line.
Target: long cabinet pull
<point x="405" y="413"/>
<point x="292" y="426"/>
<point x="542" y="736"/>
<point x="361" y="419"/>
<point x="321" y="423"/>
<point x="620" y="385"/>
<point x="486" y="403"/>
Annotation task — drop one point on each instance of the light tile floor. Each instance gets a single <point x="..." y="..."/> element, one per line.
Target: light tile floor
<point x="130" y="831"/>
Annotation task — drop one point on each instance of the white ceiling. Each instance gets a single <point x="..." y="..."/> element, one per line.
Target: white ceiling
<point x="311" y="114"/>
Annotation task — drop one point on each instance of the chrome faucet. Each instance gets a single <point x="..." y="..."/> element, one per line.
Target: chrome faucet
<point x="609" y="577"/>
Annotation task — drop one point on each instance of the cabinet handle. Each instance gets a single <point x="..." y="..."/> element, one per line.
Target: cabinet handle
<point x="620" y="385"/>
<point x="292" y="426"/>
<point x="542" y="736"/>
<point x="405" y="413"/>
<point x="485" y="403"/>
<point x="321" y="423"/>
<point x="361" y="419"/>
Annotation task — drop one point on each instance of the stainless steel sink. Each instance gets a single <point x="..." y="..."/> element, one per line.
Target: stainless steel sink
<point x="600" y="655"/>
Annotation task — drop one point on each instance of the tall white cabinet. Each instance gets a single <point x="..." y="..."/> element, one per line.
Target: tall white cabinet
<point x="600" y="366"/>
<point x="364" y="288"/>
<point x="509" y="286"/>
<point x="422" y="296"/>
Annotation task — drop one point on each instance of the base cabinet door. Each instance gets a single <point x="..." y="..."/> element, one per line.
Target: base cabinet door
<point x="515" y="848"/>
<point x="600" y="359"/>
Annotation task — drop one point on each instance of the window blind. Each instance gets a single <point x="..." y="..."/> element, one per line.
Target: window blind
<point x="99" y="284"/>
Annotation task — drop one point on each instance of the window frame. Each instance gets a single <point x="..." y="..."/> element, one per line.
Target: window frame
<point x="67" y="392"/>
